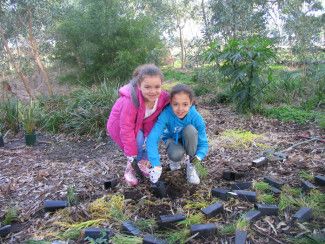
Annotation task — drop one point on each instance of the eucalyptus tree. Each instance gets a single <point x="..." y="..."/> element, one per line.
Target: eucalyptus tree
<point x="304" y="22"/>
<point x="25" y="31"/>
<point x="238" y="19"/>
<point x="171" y="16"/>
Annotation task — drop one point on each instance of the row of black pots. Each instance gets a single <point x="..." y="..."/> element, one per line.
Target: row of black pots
<point x="30" y="140"/>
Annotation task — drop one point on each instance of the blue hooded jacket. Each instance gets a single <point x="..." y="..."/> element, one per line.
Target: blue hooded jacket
<point x="169" y="125"/>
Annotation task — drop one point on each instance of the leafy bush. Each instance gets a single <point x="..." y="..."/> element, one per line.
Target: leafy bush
<point x="106" y="39"/>
<point x="84" y="112"/>
<point x="244" y="63"/>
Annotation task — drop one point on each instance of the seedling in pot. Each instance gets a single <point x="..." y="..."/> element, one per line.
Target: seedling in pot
<point x="213" y="209"/>
<point x="220" y="193"/>
<point x="240" y="236"/>
<point x="53" y="205"/>
<point x="159" y="189"/>
<point x="111" y="183"/>
<point x="273" y="182"/>
<point x="28" y="118"/>
<point x="303" y="214"/>
<point x="129" y="228"/>
<point x="5" y="230"/>
<point x="320" y="180"/>
<point x="241" y="185"/>
<point x="150" y="239"/>
<point x="203" y="230"/>
<point x="95" y="233"/>
<point x="252" y="215"/>
<point x="167" y="220"/>
<point x="307" y="186"/>
<point x="267" y="209"/>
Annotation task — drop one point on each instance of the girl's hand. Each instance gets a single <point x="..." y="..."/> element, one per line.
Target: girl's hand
<point x="155" y="173"/>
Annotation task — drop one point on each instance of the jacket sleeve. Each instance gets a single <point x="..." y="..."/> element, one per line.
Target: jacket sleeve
<point x="203" y="146"/>
<point x="127" y="127"/>
<point x="154" y="138"/>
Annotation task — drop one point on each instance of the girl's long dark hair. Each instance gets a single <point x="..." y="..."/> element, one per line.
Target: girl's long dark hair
<point x="138" y="75"/>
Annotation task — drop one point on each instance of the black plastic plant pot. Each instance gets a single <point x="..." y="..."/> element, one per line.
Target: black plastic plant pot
<point x="53" y="205"/>
<point x="267" y="209"/>
<point x="241" y="185"/>
<point x="2" y="144"/>
<point x="273" y="182"/>
<point x="213" y="209"/>
<point x="5" y="230"/>
<point x="130" y="229"/>
<point x="230" y="175"/>
<point x="95" y="233"/>
<point x="159" y="189"/>
<point x="30" y="139"/>
<point x="150" y="239"/>
<point x="111" y="183"/>
<point x="240" y="237"/>
<point x="203" y="230"/>
<point x="220" y="193"/>
<point x="320" y="180"/>
<point x="303" y="214"/>
<point x="168" y="220"/>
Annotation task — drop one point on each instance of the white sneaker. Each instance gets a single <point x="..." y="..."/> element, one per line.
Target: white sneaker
<point x="155" y="173"/>
<point x="174" y="165"/>
<point x="191" y="174"/>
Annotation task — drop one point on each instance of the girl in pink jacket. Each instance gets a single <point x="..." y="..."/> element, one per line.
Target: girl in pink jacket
<point x="134" y="114"/>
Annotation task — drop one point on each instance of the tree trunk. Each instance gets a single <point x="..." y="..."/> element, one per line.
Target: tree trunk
<point x="36" y="56"/>
<point x="23" y="77"/>
<point x="181" y="40"/>
<point x="207" y="30"/>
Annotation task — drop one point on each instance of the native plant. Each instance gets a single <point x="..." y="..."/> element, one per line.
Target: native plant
<point x="11" y="117"/>
<point x="28" y="117"/>
<point x="244" y="65"/>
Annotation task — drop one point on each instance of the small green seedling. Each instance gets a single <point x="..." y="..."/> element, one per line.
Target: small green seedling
<point x="10" y="215"/>
<point x="72" y="196"/>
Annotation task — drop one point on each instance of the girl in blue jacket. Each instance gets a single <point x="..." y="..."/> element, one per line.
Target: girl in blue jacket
<point x="183" y="129"/>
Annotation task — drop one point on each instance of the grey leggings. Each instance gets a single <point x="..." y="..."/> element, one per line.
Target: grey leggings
<point x="188" y="146"/>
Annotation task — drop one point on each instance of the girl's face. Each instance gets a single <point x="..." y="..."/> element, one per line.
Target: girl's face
<point x="150" y="88"/>
<point x="181" y="104"/>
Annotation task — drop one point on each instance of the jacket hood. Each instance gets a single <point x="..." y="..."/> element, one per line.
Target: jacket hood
<point x="125" y="91"/>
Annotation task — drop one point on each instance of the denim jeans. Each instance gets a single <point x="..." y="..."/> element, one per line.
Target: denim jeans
<point x="142" y="152"/>
<point x="188" y="144"/>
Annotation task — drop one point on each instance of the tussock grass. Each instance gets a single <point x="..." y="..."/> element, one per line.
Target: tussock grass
<point x="10" y="215"/>
<point x="292" y="198"/>
<point x="239" y="139"/>
<point x="124" y="239"/>
<point x="192" y="219"/>
<point x="266" y="198"/>
<point x="261" y="186"/>
<point x="305" y="175"/>
<point x="229" y="229"/>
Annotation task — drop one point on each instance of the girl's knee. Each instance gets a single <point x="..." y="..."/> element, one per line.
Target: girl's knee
<point x="190" y="131"/>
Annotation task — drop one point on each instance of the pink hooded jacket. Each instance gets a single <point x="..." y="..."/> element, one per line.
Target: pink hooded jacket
<point x="125" y="119"/>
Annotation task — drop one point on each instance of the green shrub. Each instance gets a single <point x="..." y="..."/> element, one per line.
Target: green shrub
<point x="84" y="112"/>
<point x="288" y="113"/>
<point x="10" y="113"/>
<point x="244" y="64"/>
